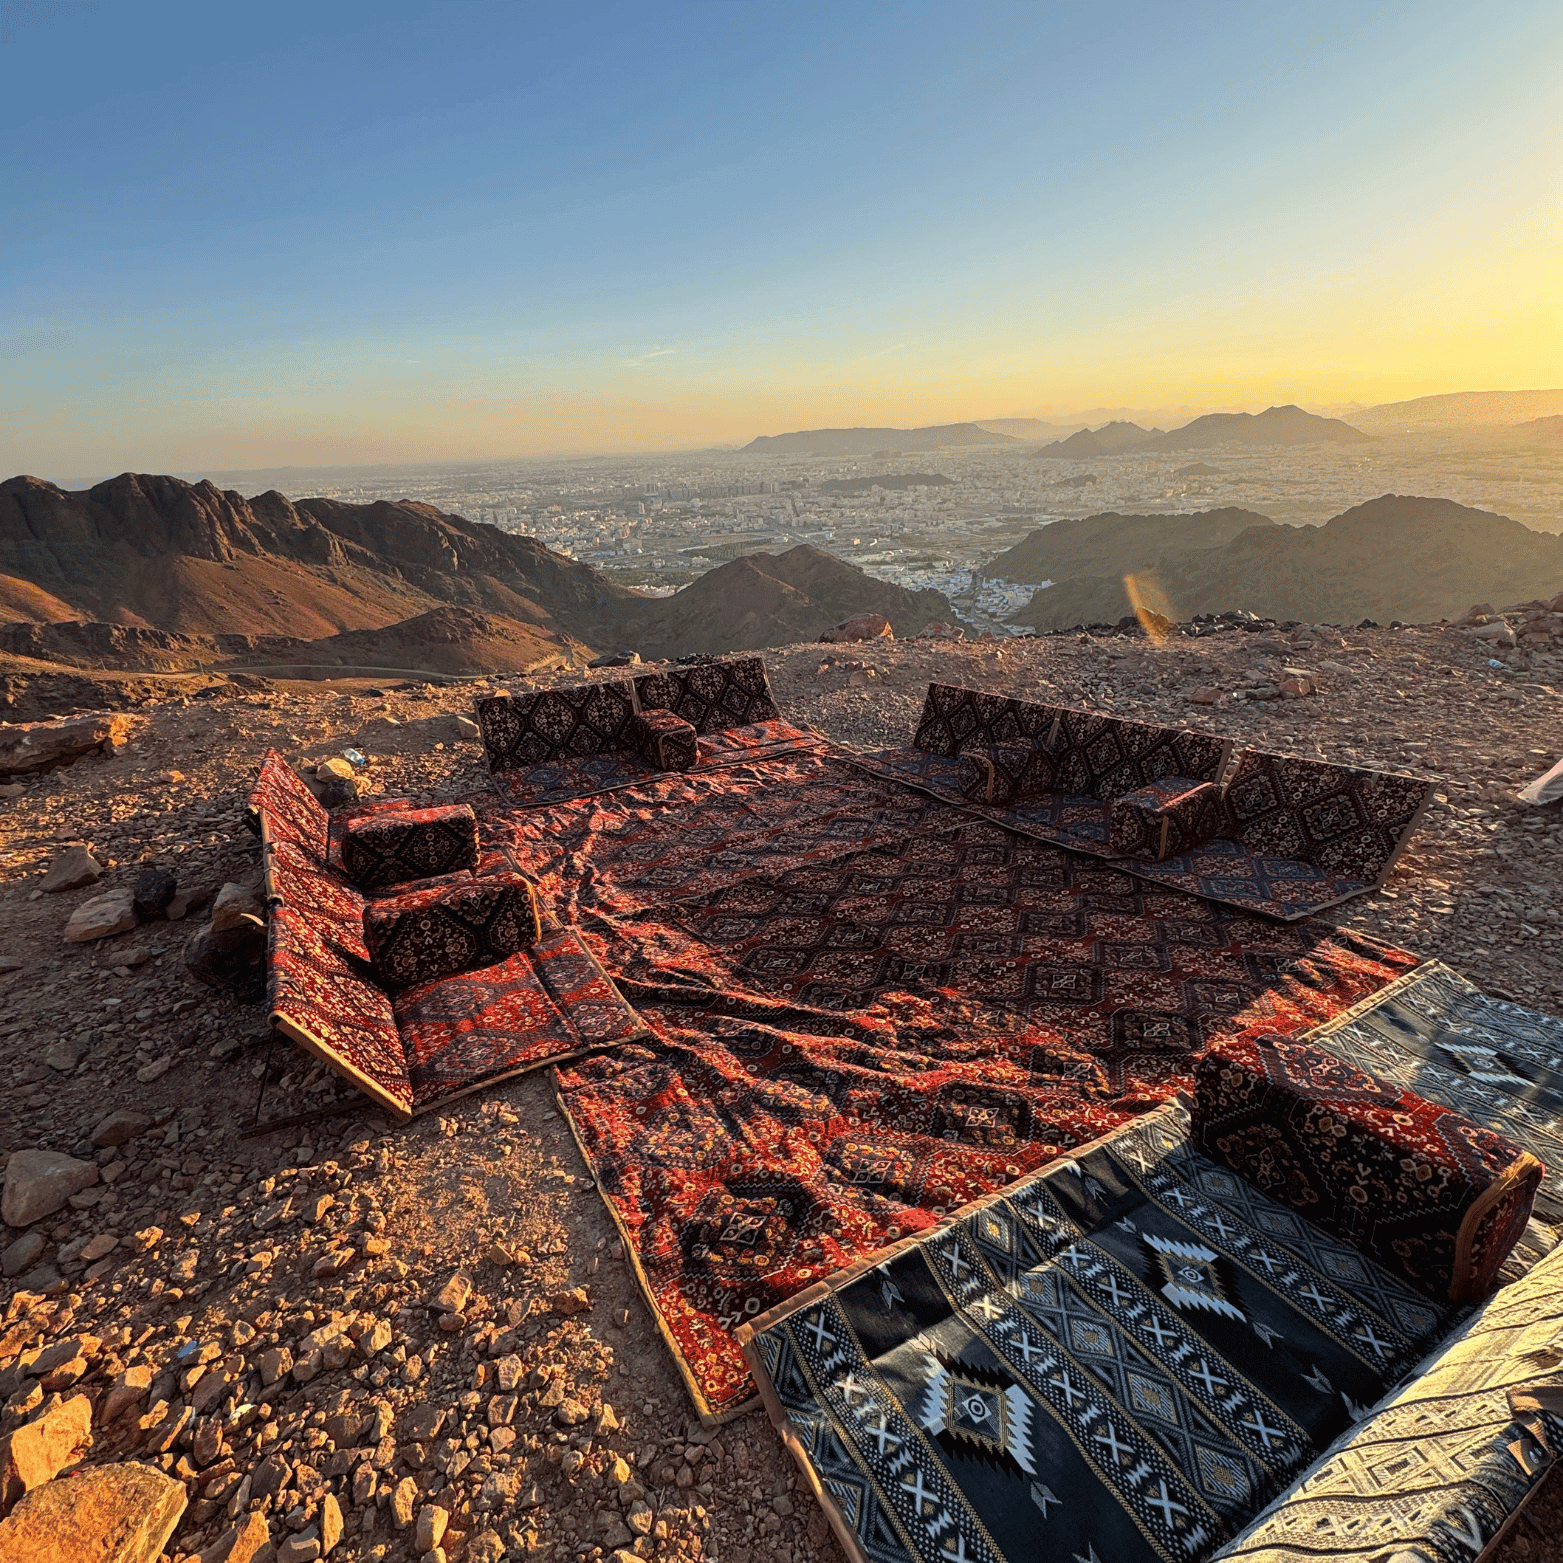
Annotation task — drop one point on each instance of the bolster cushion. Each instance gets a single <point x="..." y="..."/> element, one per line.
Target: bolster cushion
<point x="1004" y="775"/>
<point x="1161" y="820"/>
<point x="390" y="848"/>
<point x="1424" y="1191"/>
<point x="664" y="740"/>
<point x="427" y="934"/>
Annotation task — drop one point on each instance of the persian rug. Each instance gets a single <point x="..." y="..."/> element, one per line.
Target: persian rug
<point x="1420" y="1478"/>
<point x="1498" y="1063"/>
<point x="1419" y="1188"/>
<point x="561" y="780"/>
<point x="1120" y="1358"/>
<point x="677" y="834"/>
<point x="842" y="1053"/>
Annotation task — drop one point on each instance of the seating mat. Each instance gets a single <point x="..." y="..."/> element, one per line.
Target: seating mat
<point x="1121" y="1357"/>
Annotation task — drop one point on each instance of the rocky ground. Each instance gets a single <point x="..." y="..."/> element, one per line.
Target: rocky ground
<point x="419" y="1340"/>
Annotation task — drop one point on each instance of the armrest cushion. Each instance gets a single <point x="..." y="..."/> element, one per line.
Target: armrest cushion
<point x="664" y="740"/>
<point x="1161" y="820"/>
<point x="428" y="934"/>
<point x="1424" y="1191"/>
<point x="386" y="849"/>
<point x="1005" y="774"/>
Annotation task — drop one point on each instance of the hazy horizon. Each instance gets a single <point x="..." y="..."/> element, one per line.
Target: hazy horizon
<point x="415" y="234"/>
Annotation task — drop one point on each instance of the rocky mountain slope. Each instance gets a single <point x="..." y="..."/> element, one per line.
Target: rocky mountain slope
<point x="1457" y="409"/>
<point x="1287" y="425"/>
<point x="1115" y="545"/>
<point x="160" y="553"/>
<point x="152" y="573"/>
<point x="1108" y="440"/>
<point x="1396" y="557"/>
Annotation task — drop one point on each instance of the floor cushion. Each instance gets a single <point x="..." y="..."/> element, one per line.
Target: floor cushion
<point x="1119" y="1358"/>
<point x="1170" y="815"/>
<point x="664" y="740"/>
<point x="1415" y="1480"/>
<point x="1422" y="1189"/>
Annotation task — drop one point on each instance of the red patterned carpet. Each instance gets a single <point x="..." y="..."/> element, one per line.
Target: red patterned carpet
<point x="866" y="1008"/>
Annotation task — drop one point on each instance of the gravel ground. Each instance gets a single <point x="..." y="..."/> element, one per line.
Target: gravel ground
<point x="373" y="1322"/>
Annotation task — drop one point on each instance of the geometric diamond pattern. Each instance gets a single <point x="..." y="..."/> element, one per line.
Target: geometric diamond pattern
<point x="1017" y="1384"/>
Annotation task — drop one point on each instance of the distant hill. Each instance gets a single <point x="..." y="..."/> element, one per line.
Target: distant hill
<point x="1287" y="425"/>
<point x="1546" y="428"/>
<point x="1274" y="426"/>
<point x="1196" y="469"/>
<point x="772" y="600"/>
<point x="885" y="480"/>
<point x="1459" y="408"/>
<point x="1109" y="440"/>
<point x="1114" y="545"/>
<point x="1033" y="429"/>
<point x="1396" y="557"/>
<point x="865" y="442"/>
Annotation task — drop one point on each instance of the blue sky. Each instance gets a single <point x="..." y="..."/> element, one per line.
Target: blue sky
<point x="244" y="236"/>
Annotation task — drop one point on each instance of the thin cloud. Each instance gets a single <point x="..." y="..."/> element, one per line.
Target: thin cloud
<point x="39" y="341"/>
<point x="646" y="357"/>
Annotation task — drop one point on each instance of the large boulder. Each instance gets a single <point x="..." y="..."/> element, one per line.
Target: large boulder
<point x="38" y="1183"/>
<point x="27" y="748"/>
<point x="72" y="869"/>
<point x="39" y="1450"/>
<point x="861" y="626"/>
<point x="105" y="1514"/>
<point x="101" y="917"/>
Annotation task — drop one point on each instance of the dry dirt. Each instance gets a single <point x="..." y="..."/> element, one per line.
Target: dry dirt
<point x="546" y="1428"/>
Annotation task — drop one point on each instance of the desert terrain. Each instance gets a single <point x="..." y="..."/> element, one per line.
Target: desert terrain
<point x="403" y="1337"/>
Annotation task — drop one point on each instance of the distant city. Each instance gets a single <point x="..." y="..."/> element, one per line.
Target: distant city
<point x="927" y="518"/>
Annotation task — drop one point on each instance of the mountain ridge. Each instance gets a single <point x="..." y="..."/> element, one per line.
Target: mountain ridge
<point x="1402" y="557"/>
<point x="1287" y="424"/>
<point x="867" y="442"/>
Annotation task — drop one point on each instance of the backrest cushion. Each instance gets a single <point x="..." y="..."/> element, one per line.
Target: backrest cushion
<point x="520" y="731"/>
<point x="711" y="696"/>
<point x="1107" y="756"/>
<point x="434" y="933"/>
<point x="1350" y="822"/>
<point x="956" y="719"/>
<point x="282" y="808"/>
<point x="391" y="848"/>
